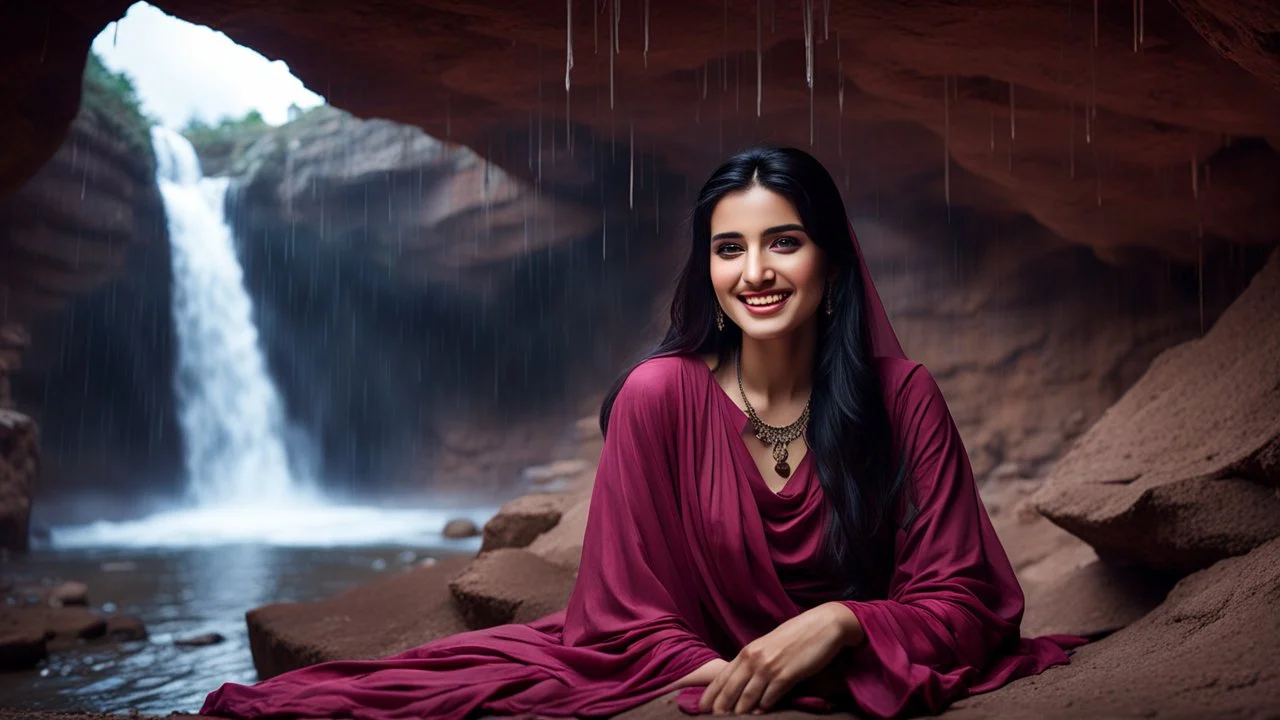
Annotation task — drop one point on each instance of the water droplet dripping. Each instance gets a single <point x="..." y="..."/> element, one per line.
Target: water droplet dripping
<point x="568" y="57"/>
<point x="946" y="141"/>
<point x="808" y="43"/>
<point x="759" y="57"/>
<point x="646" y="33"/>
<point x="613" y="42"/>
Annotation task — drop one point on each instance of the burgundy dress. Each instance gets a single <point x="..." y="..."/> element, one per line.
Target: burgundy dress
<point x="689" y="556"/>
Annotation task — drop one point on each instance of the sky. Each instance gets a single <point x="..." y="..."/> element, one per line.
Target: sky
<point x="182" y="70"/>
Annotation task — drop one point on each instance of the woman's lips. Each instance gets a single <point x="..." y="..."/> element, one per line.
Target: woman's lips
<point x="765" y="303"/>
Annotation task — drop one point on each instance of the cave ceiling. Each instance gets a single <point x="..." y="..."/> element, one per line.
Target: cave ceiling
<point x="1124" y="126"/>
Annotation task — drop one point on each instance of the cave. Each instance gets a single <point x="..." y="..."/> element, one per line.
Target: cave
<point x="453" y="258"/>
<point x="1050" y="196"/>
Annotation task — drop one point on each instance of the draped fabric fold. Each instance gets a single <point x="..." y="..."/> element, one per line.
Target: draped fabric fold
<point x="689" y="556"/>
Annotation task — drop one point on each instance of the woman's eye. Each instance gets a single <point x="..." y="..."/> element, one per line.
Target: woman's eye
<point x="786" y="242"/>
<point x="728" y="249"/>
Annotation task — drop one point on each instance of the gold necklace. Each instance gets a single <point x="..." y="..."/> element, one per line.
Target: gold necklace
<point x="779" y="437"/>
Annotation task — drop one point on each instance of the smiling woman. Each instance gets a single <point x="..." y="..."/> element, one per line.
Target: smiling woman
<point x="868" y="580"/>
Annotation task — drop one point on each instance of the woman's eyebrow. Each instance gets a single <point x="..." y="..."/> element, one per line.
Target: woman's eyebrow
<point x="735" y="235"/>
<point x="791" y="227"/>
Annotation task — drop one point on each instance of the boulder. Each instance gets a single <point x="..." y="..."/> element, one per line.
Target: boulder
<point x="200" y="640"/>
<point x="521" y="520"/>
<point x="510" y="585"/>
<point x="126" y="628"/>
<point x="1183" y="470"/>
<point x="562" y="544"/>
<point x="22" y="649"/>
<point x="60" y="627"/>
<point x="70" y="593"/>
<point x="460" y="528"/>
<point x="375" y="620"/>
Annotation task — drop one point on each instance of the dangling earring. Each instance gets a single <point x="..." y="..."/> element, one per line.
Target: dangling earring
<point x="831" y="307"/>
<point x="719" y="319"/>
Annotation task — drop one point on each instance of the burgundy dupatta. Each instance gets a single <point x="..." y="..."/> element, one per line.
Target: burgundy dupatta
<point x="689" y="556"/>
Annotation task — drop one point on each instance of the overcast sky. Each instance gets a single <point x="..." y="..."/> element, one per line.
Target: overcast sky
<point x="183" y="70"/>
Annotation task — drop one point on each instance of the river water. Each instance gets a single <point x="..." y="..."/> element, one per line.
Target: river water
<point x="180" y="593"/>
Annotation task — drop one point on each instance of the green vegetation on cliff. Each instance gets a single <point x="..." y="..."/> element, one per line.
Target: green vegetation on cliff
<point x="110" y="99"/>
<point x="219" y="145"/>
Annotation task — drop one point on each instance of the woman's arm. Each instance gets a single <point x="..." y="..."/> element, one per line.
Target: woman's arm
<point x="953" y="597"/>
<point x="702" y="676"/>
<point x="636" y="602"/>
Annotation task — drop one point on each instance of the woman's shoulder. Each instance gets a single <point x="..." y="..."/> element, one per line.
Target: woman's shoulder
<point x="906" y="383"/>
<point x="663" y="374"/>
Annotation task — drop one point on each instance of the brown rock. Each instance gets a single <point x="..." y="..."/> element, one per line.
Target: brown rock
<point x="1073" y="592"/>
<point x="21" y="650"/>
<point x="125" y="628"/>
<point x="459" y="528"/>
<point x="1176" y="475"/>
<point x="510" y="585"/>
<point x="562" y="544"/>
<point x="1211" y="649"/>
<point x="61" y="626"/>
<point x="518" y="522"/>
<point x="200" y="640"/>
<point x="70" y="593"/>
<point x="382" y="618"/>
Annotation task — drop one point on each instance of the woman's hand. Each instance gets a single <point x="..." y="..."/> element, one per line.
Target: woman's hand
<point x="767" y="668"/>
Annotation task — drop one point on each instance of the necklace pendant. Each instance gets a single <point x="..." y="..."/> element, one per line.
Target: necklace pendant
<point x="783" y="469"/>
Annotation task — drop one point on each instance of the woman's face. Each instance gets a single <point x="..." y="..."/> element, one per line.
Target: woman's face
<point x="768" y="274"/>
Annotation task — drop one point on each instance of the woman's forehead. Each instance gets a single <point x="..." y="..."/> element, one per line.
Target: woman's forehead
<point x="753" y="211"/>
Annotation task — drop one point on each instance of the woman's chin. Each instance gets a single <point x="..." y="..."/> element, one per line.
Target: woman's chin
<point x="764" y="329"/>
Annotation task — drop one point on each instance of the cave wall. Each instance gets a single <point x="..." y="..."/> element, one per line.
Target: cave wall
<point x="1080" y="187"/>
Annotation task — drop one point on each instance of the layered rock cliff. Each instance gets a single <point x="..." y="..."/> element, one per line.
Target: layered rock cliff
<point x="431" y="319"/>
<point x="85" y="271"/>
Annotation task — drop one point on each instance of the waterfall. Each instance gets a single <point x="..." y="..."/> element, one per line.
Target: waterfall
<point x="230" y="412"/>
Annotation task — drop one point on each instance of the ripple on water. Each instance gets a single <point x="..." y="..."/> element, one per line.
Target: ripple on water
<point x="181" y="593"/>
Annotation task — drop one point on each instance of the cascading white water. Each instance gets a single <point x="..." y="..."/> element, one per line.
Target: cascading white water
<point x="232" y="418"/>
<point x="247" y="487"/>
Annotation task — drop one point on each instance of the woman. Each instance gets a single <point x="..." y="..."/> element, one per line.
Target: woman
<point x="783" y="513"/>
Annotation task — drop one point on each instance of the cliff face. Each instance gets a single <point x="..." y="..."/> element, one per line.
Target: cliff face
<point x="427" y="315"/>
<point x="84" y="269"/>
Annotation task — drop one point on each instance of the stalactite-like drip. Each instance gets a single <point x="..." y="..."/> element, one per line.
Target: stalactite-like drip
<point x="568" y="44"/>
<point x="946" y="141"/>
<point x="759" y="57"/>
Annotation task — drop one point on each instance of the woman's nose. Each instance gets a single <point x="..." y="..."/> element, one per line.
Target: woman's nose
<point x="756" y="270"/>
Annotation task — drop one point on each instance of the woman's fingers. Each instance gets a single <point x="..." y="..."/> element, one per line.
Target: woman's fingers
<point x="732" y="688"/>
<point x="713" y="689"/>
<point x="750" y="698"/>
<point x="778" y="687"/>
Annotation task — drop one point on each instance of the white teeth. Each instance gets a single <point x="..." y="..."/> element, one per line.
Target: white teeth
<point x="765" y="299"/>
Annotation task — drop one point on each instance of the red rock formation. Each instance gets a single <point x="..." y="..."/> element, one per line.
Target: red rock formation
<point x="1183" y="470"/>
<point x="1094" y="124"/>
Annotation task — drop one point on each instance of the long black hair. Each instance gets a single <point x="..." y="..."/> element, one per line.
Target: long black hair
<point x="849" y="431"/>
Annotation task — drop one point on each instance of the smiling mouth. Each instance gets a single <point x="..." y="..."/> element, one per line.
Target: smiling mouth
<point x="765" y="303"/>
